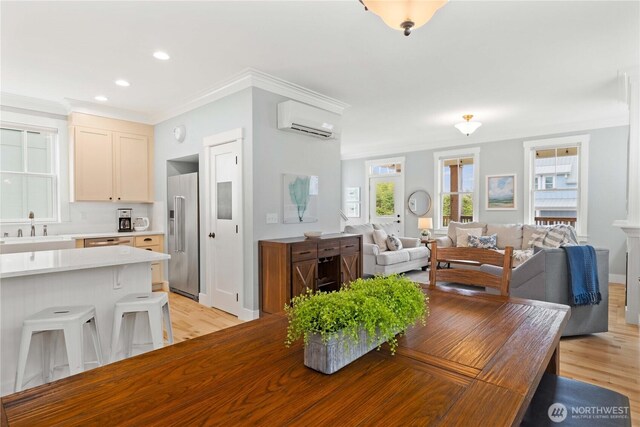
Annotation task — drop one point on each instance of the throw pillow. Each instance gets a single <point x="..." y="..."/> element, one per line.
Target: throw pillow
<point x="393" y="243"/>
<point x="560" y="235"/>
<point x="453" y="229"/>
<point x="483" y="242"/>
<point x="462" y="236"/>
<point x="537" y="238"/>
<point x="380" y="238"/>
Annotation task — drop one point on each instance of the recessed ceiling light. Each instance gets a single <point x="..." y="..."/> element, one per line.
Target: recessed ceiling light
<point x="101" y="98"/>
<point x="163" y="56"/>
<point x="123" y="83"/>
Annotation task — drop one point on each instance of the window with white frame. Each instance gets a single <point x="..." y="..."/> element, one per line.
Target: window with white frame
<point x="556" y="182"/>
<point x="28" y="171"/>
<point x="457" y="188"/>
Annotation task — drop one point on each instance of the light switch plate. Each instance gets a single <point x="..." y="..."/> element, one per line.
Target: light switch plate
<point x="272" y="218"/>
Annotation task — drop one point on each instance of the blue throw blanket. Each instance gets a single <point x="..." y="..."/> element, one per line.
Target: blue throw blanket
<point x="583" y="273"/>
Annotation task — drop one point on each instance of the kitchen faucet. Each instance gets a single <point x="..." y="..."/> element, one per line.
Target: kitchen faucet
<point x="19" y="232"/>
<point x="32" y="217"/>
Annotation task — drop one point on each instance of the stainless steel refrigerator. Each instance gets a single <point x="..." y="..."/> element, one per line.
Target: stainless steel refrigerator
<point x="184" y="247"/>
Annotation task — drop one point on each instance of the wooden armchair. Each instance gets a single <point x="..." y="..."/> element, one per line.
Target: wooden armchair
<point x="473" y="257"/>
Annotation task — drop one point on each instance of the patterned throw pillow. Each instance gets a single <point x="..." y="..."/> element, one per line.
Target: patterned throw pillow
<point x="560" y="235"/>
<point x="537" y="238"/>
<point x="483" y="242"/>
<point x="393" y="243"/>
<point x="462" y="235"/>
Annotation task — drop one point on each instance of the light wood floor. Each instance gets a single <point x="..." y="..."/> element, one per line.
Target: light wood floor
<point x="191" y="320"/>
<point x="610" y="359"/>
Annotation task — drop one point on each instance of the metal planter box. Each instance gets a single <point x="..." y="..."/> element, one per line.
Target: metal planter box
<point x="333" y="355"/>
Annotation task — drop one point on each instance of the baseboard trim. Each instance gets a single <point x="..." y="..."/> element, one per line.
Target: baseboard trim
<point x="204" y="299"/>
<point x="246" y="314"/>
<point x="617" y="278"/>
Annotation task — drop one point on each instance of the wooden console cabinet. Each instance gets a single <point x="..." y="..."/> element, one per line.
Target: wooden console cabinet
<point x="288" y="267"/>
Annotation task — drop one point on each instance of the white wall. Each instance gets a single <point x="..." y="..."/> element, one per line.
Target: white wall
<point x="231" y="112"/>
<point x="607" y="184"/>
<point x="78" y="217"/>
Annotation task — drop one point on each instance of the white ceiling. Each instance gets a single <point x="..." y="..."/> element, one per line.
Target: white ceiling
<point x="523" y="68"/>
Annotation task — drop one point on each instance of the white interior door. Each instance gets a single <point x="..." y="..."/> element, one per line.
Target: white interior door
<point x="386" y="201"/>
<point x="223" y="263"/>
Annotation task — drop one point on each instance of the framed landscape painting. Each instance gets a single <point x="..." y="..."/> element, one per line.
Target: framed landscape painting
<point x="501" y="192"/>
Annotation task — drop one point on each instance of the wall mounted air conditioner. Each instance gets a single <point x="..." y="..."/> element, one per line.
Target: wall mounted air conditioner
<point x="302" y="118"/>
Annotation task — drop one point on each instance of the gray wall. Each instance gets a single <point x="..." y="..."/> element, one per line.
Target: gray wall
<point x="231" y="112"/>
<point x="607" y="184"/>
<point x="268" y="153"/>
<point x="277" y="152"/>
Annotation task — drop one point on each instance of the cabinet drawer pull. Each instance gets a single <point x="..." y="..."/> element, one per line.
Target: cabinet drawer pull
<point x="148" y="239"/>
<point x="304" y="253"/>
<point x="349" y="246"/>
<point x="329" y="249"/>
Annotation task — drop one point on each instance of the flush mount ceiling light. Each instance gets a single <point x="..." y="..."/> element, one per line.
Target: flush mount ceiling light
<point x="122" y="83"/>
<point x="468" y="127"/>
<point x="101" y="98"/>
<point x="404" y="15"/>
<point x="163" y="56"/>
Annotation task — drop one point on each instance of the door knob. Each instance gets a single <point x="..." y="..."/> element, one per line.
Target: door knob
<point x="212" y="235"/>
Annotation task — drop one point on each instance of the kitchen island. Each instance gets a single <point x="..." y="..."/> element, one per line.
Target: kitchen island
<point x="33" y="281"/>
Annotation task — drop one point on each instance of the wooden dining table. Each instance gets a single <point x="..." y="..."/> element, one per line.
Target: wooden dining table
<point x="477" y="361"/>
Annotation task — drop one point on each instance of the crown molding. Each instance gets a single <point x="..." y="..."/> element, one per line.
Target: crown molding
<point x="250" y="77"/>
<point x="27" y="103"/>
<point x="247" y="78"/>
<point x="391" y="148"/>
<point x="78" y="106"/>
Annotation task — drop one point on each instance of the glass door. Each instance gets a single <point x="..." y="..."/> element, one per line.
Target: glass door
<point x="386" y="201"/>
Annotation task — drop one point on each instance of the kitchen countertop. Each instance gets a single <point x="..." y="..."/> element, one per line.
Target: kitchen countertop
<point x="32" y="263"/>
<point x="78" y="236"/>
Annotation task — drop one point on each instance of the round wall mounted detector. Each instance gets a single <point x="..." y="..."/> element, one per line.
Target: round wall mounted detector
<point x="179" y="132"/>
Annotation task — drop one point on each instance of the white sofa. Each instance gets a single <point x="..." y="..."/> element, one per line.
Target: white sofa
<point x="412" y="256"/>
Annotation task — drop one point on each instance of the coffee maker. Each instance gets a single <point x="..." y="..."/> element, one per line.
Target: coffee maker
<point x="125" y="222"/>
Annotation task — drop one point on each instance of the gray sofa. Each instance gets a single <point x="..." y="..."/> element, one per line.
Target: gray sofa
<point x="412" y="256"/>
<point x="544" y="276"/>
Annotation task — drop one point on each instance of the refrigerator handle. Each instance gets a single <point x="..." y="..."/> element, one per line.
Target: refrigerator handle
<point x="180" y="225"/>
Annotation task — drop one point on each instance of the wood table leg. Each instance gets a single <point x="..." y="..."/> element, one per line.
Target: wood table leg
<point x="554" y="364"/>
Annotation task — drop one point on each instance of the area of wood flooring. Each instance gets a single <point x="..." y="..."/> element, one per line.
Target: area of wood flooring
<point x="610" y="359"/>
<point x="191" y="320"/>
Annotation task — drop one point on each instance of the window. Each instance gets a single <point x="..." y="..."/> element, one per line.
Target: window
<point x="555" y="176"/>
<point x="548" y="182"/>
<point x="457" y="186"/>
<point x="393" y="168"/>
<point x="385" y="191"/>
<point x="28" y="173"/>
<point x="385" y="199"/>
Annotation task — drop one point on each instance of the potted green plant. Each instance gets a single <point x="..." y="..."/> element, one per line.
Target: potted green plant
<point x="338" y="327"/>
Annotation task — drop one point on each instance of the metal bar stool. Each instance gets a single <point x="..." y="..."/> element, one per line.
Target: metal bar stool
<point x="156" y="305"/>
<point x="49" y="323"/>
